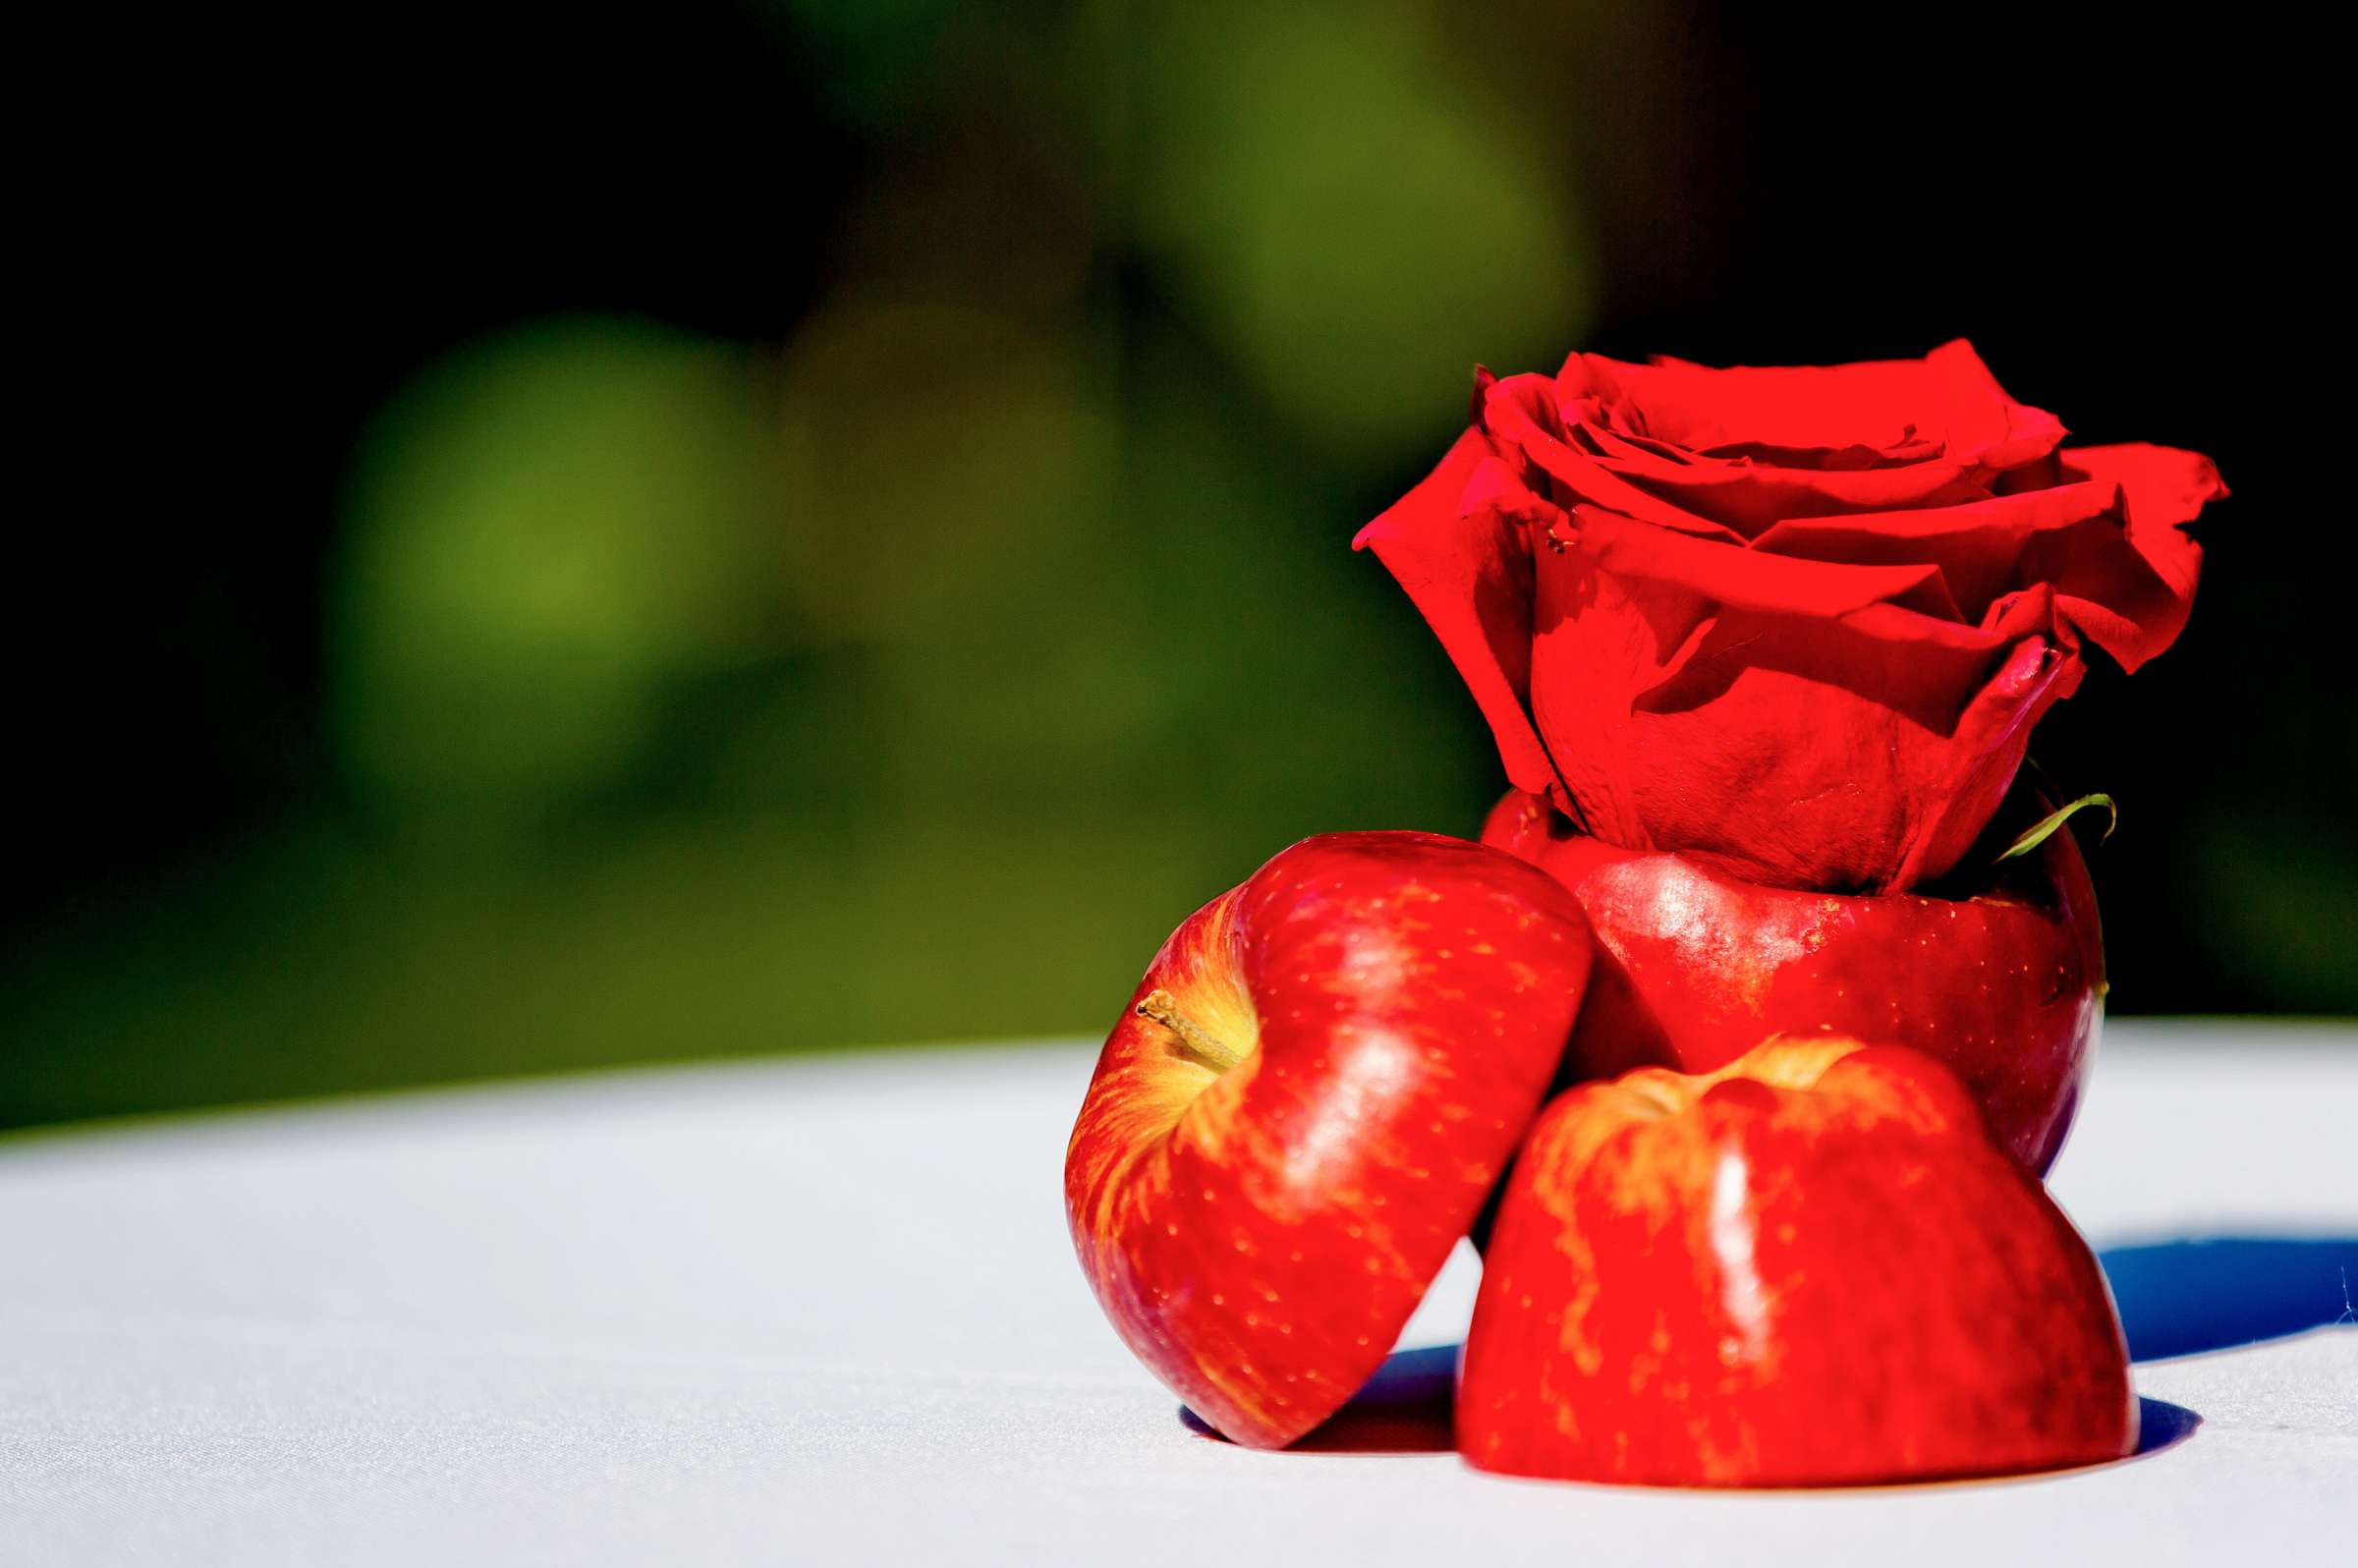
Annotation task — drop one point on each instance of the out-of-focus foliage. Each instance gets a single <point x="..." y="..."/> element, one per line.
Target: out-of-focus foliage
<point x="901" y="660"/>
<point x="906" y="678"/>
<point x="544" y="533"/>
<point x="1355" y="219"/>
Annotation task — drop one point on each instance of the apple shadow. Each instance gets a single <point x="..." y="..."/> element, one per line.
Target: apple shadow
<point x="1406" y="1408"/>
<point x="2205" y="1293"/>
<point x="2161" y="1425"/>
<point x="2176" y="1297"/>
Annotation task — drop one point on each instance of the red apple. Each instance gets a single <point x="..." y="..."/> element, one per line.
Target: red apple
<point x="2003" y="981"/>
<point x="1314" y="1089"/>
<point x="1812" y="1267"/>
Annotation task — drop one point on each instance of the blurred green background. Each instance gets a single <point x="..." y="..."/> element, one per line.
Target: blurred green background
<point x="768" y="525"/>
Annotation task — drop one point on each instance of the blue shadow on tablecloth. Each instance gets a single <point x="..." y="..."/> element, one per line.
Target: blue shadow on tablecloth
<point x="2203" y="1293"/>
<point x="1407" y="1408"/>
<point x="2176" y="1297"/>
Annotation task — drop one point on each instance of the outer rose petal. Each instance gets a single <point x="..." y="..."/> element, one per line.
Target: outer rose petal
<point x="1859" y="752"/>
<point x="1970" y="775"/>
<point x="1470" y="577"/>
<point x="1979" y="547"/>
<point x="1748" y="579"/>
<point x="2163" y="488"/>
<point x="1795" y="722"/>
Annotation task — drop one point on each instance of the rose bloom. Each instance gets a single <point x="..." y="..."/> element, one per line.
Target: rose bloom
<point x="1796" y="623"/>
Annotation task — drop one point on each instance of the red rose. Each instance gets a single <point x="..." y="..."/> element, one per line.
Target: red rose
<point x="1794" y="622"/>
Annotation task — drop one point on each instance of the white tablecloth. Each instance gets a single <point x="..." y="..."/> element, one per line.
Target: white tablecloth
<point x="825" y="1310"/>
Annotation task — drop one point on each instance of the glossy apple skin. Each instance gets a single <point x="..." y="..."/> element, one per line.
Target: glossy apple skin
<point x="1258" y="1236"/>
<point x="1811" y="1268"/>
<point x="2004" y="982"/>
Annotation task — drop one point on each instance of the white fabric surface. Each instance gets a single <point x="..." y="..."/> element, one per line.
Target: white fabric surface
<point x="823" y="1310"/>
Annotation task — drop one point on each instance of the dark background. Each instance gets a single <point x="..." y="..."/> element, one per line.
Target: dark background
<point x="761" y="524"/>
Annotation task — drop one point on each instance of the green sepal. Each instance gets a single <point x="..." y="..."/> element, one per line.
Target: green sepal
<point x="2041" y="831"/>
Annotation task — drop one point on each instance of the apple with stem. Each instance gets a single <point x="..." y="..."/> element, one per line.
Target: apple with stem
<point x="2001" y="976"/>
<point x="1314" y="1089"/>
<point x="1810" y="1267"/>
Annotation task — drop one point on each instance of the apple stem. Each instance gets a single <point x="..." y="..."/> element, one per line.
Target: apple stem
<point x="1164" y="1009"/>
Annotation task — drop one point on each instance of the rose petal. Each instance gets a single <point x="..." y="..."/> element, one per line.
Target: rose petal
<point x="1600" y="640"/>
<point x="1816" y="735"/>
<point x="1749" y="499"/>
<point x="1979" y="546"/>
<point x="1518" y="414"/>
<point x="1470" y="577"/>
<point x="1948" y="397"/>
<point x="1745" y="579"/>
<point x="2164" y="489"/>
<point x="1963" y="781"/>
<point x="1906" y="753"/>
